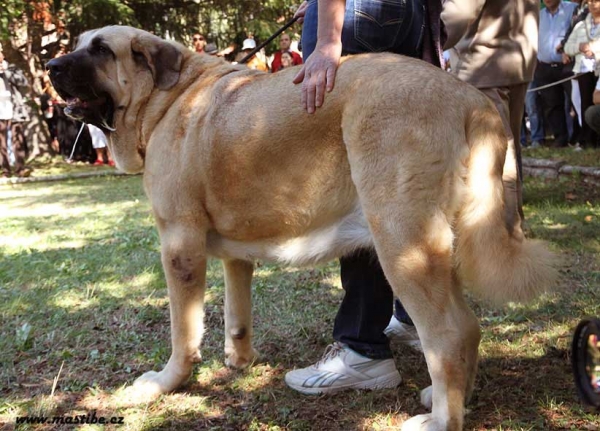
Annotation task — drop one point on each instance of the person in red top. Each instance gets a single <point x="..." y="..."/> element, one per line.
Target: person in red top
<point x="285" y="42"/>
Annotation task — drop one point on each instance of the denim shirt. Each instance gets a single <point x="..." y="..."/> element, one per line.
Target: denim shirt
<point x="552" y="31"/>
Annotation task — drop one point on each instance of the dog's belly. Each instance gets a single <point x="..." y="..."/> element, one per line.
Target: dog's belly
<point x="347" y="234"/>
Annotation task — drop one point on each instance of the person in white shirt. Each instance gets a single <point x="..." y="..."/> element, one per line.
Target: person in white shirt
<point x="13" y="114"/>
<point x="584" y="45"/>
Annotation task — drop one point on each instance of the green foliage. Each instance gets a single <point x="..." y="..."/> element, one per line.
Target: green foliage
<point x="82" y="15"/>
<point x="222" y="21"/>
<point x="10" y="10"/>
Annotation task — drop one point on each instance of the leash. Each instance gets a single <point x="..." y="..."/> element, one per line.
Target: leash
<point x="557" y="82"/>
<point x="76" y="140"/>
<point x="262" y="45"/>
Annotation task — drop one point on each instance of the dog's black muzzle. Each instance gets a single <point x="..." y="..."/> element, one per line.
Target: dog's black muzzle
<point x="74" y="78"/>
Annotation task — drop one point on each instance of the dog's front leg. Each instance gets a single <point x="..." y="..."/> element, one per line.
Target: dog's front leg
<point x="238" y="313"/>
<point x="184" y="261"/>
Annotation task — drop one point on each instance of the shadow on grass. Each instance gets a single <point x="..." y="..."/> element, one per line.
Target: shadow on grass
<point x="567" y="191"/>
<point x="512" y="391"/>
<point x="565" y="212"/>
<point x="82" y="191"/>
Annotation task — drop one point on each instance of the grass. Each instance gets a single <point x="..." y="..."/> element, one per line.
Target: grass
<point x="82" y="289"/>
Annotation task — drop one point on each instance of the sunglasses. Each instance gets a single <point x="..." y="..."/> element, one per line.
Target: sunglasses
<point x="198" y="38"/>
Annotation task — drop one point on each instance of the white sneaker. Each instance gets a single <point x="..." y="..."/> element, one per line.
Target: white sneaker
<point x="342" y="368"/>
<point x="404" y="333"/>
<point x="577" y="147"/>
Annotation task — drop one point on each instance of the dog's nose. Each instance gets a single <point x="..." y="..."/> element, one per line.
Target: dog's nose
<point x="55" y="65"/>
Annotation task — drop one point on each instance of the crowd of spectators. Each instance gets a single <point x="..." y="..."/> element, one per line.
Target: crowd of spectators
<point x="286" y="56"/>
<point x="569" y="40"/>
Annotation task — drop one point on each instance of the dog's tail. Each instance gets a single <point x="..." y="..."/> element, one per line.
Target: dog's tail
<point x="493" y="258"/>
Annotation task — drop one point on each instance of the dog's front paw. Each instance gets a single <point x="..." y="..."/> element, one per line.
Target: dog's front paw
<point x="145" y="389"/>
<point x="234" y="359"/>
<point x="423" y="423"/>
<point x="149" y="386"/>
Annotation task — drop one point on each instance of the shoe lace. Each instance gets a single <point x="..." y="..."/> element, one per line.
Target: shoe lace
<point x="331" y="352"/>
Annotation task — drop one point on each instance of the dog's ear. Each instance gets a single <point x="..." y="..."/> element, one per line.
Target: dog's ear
<point x="162" y="58"/>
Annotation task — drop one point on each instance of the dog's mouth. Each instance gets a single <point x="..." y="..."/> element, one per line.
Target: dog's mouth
<point x="97" y="110"/>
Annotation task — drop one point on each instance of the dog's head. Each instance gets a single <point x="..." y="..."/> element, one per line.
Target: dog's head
<point x="110" y="74"/>
<point x="106" y="68"/>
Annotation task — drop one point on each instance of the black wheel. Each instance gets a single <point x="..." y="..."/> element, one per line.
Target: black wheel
<point x="586" y="361"/>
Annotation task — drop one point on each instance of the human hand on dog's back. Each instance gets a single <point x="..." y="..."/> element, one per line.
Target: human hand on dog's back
<point x="318" y="72"/>
<point x="318" y="75"/>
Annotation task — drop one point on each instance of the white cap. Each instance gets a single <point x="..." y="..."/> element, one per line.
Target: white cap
<point x="248" y="44"/>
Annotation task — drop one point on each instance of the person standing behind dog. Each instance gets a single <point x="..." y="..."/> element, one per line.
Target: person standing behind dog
<point x="285" y="44"/>
<point x="287" y="60"/>
<point x="255" y="62"/>
<point x="198" y="43"/>
<point x="592" y="114"/>
<point x="553" y="65"/>
<point x="360" y="357"/>
<point x="13" y="115"/>
<point x="494" y="45"/>
<point x="584" y="44"/>
<point x="100" y="144"/>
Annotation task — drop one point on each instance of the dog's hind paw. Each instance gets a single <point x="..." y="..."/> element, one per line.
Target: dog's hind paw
<point x="235" y="360"/>
<point x="427" y="397"/>
<point x="423" y="423"/>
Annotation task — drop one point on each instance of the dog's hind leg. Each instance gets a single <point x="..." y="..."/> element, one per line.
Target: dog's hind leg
<point x="238" y="313"/>
<point x="420" y="272"/>
<point x="184" y="261"/>
<point x="407" y="196"/>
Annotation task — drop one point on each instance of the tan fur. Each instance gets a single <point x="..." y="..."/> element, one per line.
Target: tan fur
<point x="235" y="168"/>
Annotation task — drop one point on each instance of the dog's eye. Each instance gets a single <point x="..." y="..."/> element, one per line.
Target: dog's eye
<point x="100" y="49"/>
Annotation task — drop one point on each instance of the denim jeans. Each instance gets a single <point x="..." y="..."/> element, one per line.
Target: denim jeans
<point x="369" y="26"/>
<point x="535" y="114"/>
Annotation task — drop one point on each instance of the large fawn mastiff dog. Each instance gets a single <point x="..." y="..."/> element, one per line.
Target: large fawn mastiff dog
<point x="402" y="157"/>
